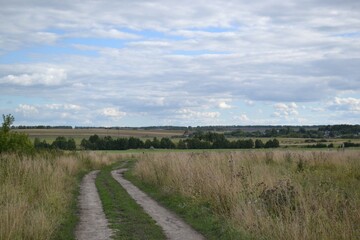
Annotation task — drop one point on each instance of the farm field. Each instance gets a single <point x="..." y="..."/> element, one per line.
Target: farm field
<point x="99" y="131"/>
<point x="78" y="134"/>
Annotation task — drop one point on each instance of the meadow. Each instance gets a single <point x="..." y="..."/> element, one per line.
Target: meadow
<point x="37" y="193"/>
<point x="288" y="193"/>
<point x="264" y="194"/>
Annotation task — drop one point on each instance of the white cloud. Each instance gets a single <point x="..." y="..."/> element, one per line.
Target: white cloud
<point x="224" y="105"/>
<point x="114" y="33"/>
<point x="191" y="114"/>
<point x="56" y="106"/>
<point x="345" y="104"/>
<point x="27" y="110"/>
<point x="49" y="77"/>
<point x="243" y="118"/>
<point x="285" y="110"/>
<point x="150" y="44"/>
<point x="113" y="113"/>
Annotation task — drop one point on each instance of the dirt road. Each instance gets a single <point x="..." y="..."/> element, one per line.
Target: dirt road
<point x="173" y="226"/>
<point x="93" y="224"/>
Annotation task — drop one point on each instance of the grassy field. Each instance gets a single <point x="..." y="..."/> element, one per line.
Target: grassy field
<point x="38" y="193"/>
<point x="85" y="133"/>
<point x="245" y="194"/>
<point x="265" y="194"/>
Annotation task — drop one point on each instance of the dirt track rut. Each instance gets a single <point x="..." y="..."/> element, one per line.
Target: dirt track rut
<point x="173" y="226"/>
<point x="93" y="224"/>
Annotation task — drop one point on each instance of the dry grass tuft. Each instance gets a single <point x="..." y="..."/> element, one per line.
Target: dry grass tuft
<point x="271" y="194"/>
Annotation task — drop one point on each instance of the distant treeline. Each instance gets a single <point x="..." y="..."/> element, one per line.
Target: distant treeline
<point x="207" y="141"/>
<point x="61" y="143"/>
<point x="200" y="141"/>
<point x="330" y="131"/>
<point x="42" y="127"/>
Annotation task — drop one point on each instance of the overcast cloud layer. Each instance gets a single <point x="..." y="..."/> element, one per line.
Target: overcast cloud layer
<point x="137" y="63"/>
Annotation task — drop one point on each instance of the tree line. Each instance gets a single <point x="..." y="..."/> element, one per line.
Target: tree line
<point x="204" y="141"/>
<point x="330" y="131"/>
<point x="61" y="143"/>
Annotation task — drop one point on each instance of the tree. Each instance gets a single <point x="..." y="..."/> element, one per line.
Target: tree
<point x="8" y="120"/>
<point x="272" y="143"/>
<point x="181" y="144"/>
<point x="122" y="143"/>
<point x="60" y="143"/>
<point x="13" y="141"/>
<point x="276" y="143"/>
<point x="86" y="144"/>
<point x="135" y="143"/>
<point x="156" y="143"/>
<point x="259" y="143"/>
<point x="41" y="145"/>
<point x="166" y="143"/>
<point x="71" y="144"/>
<point x="148" y="143"/>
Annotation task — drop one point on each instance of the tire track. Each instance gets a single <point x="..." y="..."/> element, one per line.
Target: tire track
<point x="93" y="224"/>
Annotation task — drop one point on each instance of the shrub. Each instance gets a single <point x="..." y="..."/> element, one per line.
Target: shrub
<point x="13" y="141"/>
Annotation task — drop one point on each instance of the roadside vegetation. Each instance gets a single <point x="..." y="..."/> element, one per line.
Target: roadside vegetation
<point x="38" y="193"/>
<point x="38" y="189"/>
<point x="265" y="194"/>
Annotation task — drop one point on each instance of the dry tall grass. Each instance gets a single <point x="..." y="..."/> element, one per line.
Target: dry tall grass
<point x="270" y="194"/>
<point x="35" y="192"/>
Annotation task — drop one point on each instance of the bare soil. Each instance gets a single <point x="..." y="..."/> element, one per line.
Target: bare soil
<point x="93" y="224"/>
<point x="174" y="227"/>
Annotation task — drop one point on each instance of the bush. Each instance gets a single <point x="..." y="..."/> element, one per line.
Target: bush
<point x="13" y="141"/>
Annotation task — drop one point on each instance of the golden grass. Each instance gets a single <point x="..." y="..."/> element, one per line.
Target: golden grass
<point x="36" y="192"/>
<point x="270" y="194"/>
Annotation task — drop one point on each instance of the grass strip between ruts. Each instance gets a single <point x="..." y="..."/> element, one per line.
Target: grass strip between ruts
<point x="126" y="218"/>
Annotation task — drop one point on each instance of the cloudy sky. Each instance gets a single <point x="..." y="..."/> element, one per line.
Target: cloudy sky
<point x="141" y="63"/>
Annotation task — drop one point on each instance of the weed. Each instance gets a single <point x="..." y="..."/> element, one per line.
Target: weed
<point x="280" y="199"/>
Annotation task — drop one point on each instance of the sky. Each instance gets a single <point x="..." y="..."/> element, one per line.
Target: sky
<point x="184" y="63"/>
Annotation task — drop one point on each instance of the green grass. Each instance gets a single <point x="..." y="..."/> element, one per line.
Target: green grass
<point x="197" y="214"/>
<point x="126" y="217"/>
